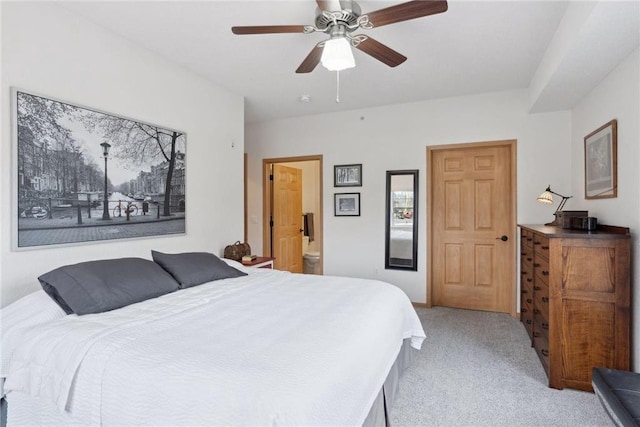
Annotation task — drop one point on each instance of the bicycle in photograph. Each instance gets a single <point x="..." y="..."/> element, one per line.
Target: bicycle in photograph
<point x="37" y="212"/>
<point x="130" y="209"/>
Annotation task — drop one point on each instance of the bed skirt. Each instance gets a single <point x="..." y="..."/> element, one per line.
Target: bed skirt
<point x="27" y="411"/>
<point x="379" y="415"/>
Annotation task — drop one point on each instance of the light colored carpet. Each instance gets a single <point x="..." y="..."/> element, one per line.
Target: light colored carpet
<point x="479" y="369"/>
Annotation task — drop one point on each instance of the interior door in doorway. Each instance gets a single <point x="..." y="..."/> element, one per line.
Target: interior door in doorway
<point x="472" y="228"/>
<point x="287" y="218"/>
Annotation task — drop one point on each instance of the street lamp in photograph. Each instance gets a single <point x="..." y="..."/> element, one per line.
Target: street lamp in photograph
<point x="105" y="204"/>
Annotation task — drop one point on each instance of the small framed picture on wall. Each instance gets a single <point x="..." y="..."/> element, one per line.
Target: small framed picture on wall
<point x="347" y="175"/>
<point x="346" y="204"/>
<point x="601" y="162"/>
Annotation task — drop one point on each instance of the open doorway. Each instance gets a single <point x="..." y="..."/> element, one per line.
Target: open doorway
<point x="293" y="236"/>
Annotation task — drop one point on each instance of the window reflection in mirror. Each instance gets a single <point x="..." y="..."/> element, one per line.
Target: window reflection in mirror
<point x="401" y="228"/>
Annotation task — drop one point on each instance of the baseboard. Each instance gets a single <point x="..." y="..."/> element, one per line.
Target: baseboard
<point x="421" y="304"/>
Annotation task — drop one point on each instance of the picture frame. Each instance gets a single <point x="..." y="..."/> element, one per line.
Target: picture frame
<point x="82" y="175"/>
<point x="346" y="204"/>
<point x="601" y="162"/>
<point x="347" y="175"/>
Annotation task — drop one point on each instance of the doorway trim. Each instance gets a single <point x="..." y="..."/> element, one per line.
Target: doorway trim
<point x="512" y="145"/>
<point x="266" y="202"/>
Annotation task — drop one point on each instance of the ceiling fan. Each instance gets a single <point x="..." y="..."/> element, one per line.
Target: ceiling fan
<point x="339" y="19"/>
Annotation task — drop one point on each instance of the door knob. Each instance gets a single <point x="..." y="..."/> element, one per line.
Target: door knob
<point x="504" y="238"/>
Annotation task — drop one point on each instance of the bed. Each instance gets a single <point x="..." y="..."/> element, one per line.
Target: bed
<point x="401" y="243"/>
<point x="262" y="348"/>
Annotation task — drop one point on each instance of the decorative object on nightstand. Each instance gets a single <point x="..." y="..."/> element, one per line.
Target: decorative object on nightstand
<point x="237" y="250"/>
<point x="562" y="218"/>
<point x="259" y="262"/>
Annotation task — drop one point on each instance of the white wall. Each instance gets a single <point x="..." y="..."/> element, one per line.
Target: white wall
<point x="617" y="97"/>
<point x="49" y="51"/>
<point x="396" y="137"/>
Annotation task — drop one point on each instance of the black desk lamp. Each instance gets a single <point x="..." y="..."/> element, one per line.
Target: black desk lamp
<point x="547" y="198"/>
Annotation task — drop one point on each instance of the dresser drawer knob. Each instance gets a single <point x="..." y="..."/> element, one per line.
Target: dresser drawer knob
<point x="545" y="352"/>
<point x="529" y="300"/>
<point x="529" y="258"/>
<point x="536" y="242"/>
<point x="545" y="326"/>
<point x="546" y="248"/>
<point x="528" y="321"/>
<point x="545" y="299"/>
<point x="536" y="265"/>
<point x="529" y="279"/>
<point x="536" y="288"/>
<point x="545" y="273"/>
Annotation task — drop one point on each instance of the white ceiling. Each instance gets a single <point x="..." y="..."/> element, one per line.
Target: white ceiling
<point x="474" y="47"/>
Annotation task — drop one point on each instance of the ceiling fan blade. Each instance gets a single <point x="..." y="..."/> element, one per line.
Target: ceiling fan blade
<point x="268" y="29"/>
<point x="406" y="11"/>
<point x="381" y="52"/>
<point x="311" y="61"/>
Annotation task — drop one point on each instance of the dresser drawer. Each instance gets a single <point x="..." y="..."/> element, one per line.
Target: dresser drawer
<point x="541" y="339"/>
<point x="526" y="308"/>
<point x="527" y="321"/>
<point x="541" y="268"/>
<point x="541" y="245"/>
<point x="541" y="327"/>
<point x="526" y="238"/>
<point x="541" y="295"/>
<point x="526" y="276"/>
<point x="526" y="256"/>
<point x="541" y="345"/>
<point x="541" y="318"/>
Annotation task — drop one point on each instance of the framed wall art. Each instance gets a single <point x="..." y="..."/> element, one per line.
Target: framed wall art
<point x="346" y="204"/>
<point x="84" y="175"/>
<point x="601" y="162"/>
<point x="347" y="175"/>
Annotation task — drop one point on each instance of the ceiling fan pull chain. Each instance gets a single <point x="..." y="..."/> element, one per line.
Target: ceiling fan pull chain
<point x="337" y="87"/>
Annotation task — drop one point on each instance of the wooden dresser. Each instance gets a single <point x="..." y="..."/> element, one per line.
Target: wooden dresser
<point x="575" y="299"/>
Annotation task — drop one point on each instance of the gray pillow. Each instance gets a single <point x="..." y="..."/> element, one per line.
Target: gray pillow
<point x="97" y="286"/>
<point x="195" y="268"/>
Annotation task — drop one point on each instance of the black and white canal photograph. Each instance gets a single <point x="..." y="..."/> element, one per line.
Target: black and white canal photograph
<point x="84" y="175"/>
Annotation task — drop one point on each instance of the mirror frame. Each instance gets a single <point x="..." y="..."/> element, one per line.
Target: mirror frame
<point x="413" y="266"/>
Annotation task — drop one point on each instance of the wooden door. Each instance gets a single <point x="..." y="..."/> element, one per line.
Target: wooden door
<point x="287" y="218"/>
<point x="472" y="266"/>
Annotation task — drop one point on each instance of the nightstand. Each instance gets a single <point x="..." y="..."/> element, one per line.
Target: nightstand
<point x="260" y="262"/>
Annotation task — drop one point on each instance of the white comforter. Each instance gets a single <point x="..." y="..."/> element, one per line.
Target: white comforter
<point x="271" y="348"/>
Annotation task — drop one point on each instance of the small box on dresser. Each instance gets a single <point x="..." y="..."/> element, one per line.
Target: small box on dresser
<point x="575" y="300"/>
<point x="563" y="218"/>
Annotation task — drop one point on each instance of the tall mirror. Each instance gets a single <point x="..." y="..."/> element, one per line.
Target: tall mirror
<point x="401" y="228"/>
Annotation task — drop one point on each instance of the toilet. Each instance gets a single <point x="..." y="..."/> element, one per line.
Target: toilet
<point x="311" y="259"/>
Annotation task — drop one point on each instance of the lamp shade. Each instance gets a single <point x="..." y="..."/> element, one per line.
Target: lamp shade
<point x="337" y="55"/>
<point x="546" y="198"/>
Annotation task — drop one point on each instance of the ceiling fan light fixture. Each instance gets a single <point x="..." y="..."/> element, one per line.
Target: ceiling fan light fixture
<point x="337" y="54"/>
